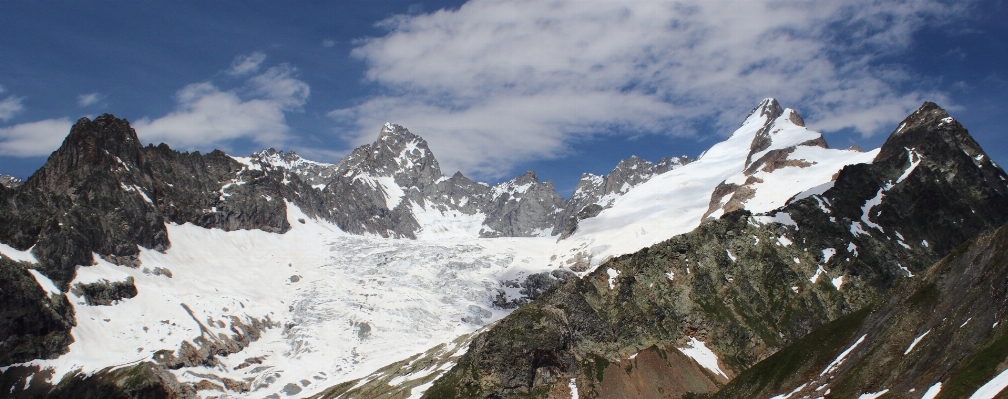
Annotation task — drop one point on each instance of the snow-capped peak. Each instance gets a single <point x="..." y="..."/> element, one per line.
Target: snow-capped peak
<point x="767" y="110"/>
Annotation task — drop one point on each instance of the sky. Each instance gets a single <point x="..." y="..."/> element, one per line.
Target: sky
<point x="496" y="87"/>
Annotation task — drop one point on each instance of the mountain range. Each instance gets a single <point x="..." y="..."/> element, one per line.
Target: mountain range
<point x="141" y="271"/>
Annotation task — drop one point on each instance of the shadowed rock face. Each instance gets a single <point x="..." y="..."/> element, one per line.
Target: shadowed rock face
<point x="950" y="310"/>
<point x="940" y="326"/>
<point x="746" y="286"/>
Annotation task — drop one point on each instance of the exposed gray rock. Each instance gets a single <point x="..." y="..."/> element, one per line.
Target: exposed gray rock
<point x="521" y="207"/>
<point x="104" y="292"/>
<point x="10" y="181"/>
<point x="570" y="226"/>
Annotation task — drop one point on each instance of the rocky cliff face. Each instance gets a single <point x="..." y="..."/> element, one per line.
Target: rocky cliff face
<point x="937" y="333"/>
<point x="746" y="286"/>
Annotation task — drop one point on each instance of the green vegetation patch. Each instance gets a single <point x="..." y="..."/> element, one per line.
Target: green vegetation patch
<point x="810" y="353"/>
<point x="976" y="369"/>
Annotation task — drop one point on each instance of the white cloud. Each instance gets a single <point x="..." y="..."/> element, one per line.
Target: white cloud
<point x="328" y="43"/>
<point x="85" y="100"/>
<point x="207" y="117"/>
<point x="9" y="107"/>
<point x="246" y="64"/>
<point x="280" y="84"/>
<point x="495" y="83"/>
<point x="33" y="139"/>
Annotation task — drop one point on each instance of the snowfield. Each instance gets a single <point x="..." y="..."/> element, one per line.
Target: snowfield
<point x="340" y="306"/>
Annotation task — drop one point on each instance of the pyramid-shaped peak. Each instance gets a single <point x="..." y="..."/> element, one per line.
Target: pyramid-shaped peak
<point x="104" y="128"/>
<point x="769" y="107"/>
<point x="391" y="131"/>
<point x="928" y="112"/>
<point x="925" y="127"/>
<point x="527" y="177"/>
<point x="103" y="144"/>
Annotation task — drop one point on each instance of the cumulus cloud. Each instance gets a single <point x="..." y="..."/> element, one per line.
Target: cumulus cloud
<point x="207" y="117"/>
<point x="495" y="83"/>
<point x="33" y="139"/>
<point x="85" y="100"/>
<point x="246" y="64"/>
<point x="9" y="107"/>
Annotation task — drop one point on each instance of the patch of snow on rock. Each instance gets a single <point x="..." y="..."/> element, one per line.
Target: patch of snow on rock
<point x="840" y="359"/>
<point x="44" y="282"/>
<point x="613" y="273"/>
<point x="698" y="351"/>
<point x="19" y="256"/>
<point x="915" y="342"/>
<point x="873" y="395"/>
<point x="992" y="387"/>
<point x="932" y="392"/>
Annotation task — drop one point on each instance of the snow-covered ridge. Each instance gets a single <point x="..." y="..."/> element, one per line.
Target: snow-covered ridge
<point x="768" y="160"/>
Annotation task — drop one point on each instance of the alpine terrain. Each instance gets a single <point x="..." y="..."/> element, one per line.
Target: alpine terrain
<point x="769" y="266"/>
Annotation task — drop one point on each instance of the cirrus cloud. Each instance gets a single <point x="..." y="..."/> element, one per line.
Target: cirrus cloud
<point x="85" y="100"/>
<point x="495" y="83"/>
<point x="9" y="106"/>
<point x="247" y="63"/>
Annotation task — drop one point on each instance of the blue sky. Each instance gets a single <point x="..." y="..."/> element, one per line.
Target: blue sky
<point x="496" y="87"/>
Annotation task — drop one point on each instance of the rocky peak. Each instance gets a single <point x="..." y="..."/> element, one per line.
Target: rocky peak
<point x="518" y="185"/>
<point x="396" y="153"/>
<point x="777" y="120"/>
<point x="274" y="157"/>
<point x="529" y="177"/>
<point x="522" y="207"/>
<point x="932" y="139"/>
<point x="765" y="112"/>
<point x="631" y="163"/>
<point x="106" y="144"/>
<point x="929" y="125"/>
<point x="794" y="117"/>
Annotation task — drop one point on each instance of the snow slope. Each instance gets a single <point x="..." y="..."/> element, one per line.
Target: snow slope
<point x="677" y="201"/>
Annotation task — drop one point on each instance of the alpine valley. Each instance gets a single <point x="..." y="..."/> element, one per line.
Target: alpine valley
<point x="771" y="266"/>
